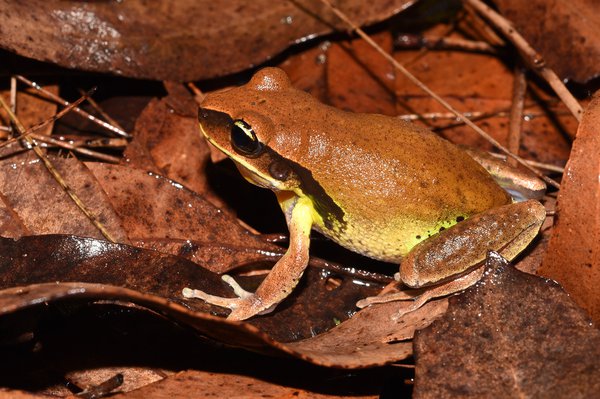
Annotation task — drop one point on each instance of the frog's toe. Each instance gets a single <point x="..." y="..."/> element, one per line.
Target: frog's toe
<point x="396" y="296"/>
<point x="229" y="303"/>
<point x="246" y="305"/>
<point x="237" y="289"/>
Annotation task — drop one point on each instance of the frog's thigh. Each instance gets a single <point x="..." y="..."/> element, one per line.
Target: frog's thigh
<point x="507" y="230"/>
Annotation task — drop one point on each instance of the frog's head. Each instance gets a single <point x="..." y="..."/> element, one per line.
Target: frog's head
<point x="242" y="123"/>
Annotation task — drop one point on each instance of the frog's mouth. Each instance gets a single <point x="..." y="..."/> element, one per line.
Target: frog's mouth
<point x="255" y="178"/>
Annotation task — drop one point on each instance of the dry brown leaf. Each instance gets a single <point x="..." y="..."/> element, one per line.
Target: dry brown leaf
<point x="35" y="201"/>
<point x="475" y="82"/>
<point x="573" y="253"/>
<point x="359" y="79"/>
<point x="188" y="384"/>
<point x="173" y="212"/>
<point x="174" y="39"/>
<point x="472" y="82"/>
<point x="307" y="70"/>
<point x="371" y="337"/>
<point x="31" y="108"/>
<point x="133" y="377"/>
<point x="167" y="141"/>
<point x="91" y="269"/>
<point x="511" y="335"/>
<point x="565" y="32"/>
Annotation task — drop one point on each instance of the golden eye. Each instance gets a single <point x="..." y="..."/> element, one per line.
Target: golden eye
<point x="244" y="139"/>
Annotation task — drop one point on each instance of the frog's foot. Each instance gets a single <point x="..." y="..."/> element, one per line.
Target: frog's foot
<point x="244" y="306"/>
<point x="444" y="289"/>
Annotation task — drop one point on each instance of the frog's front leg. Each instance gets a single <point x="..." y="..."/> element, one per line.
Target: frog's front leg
<point x="281" y="280"/>
<point x="451" y="260"/>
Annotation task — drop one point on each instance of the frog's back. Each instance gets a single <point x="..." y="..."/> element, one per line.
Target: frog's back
<point x="396" y="183"/>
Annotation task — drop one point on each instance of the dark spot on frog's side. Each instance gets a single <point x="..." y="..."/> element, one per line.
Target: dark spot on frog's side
<point x="459" y="219"/>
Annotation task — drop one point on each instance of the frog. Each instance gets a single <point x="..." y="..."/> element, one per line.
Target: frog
<point x="379" y="186"/>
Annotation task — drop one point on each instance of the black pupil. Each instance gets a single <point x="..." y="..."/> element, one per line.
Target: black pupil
<point x="243" y="138"/>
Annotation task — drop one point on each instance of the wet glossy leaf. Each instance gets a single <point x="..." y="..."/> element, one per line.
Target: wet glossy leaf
<point x="45" y="269"/>
<point x="512" y="334"/>
<point x="572" y="258"/>
<point x="204" y="38"/>
<point x="565" y="32"/>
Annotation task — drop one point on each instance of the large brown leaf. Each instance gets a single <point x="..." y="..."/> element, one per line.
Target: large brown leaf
<point x="573" y="252"/>
<point x="221" y="385"/>
<point x="171" y="39"/>
<point x="32" y="199"/>
<point x="511" y="335"/>
<point x="167" y="141"/>
<point x="173" y="212"/>
<point x="45" y="269"/>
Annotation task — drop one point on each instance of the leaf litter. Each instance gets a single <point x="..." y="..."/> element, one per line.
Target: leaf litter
<point x="512" y="334"/>
<point x="154" y="223"/>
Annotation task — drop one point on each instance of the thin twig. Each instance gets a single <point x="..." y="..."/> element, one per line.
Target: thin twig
<point x="473" y="115"/>
<point x="13" y="98"/>
<point x="539" y="165"/>
<point x="49" y="120"/>
<point x="198" y="95"/>
<point x="65" y="103"/>
<point x="94" y="142"/>
<point x="473" y="25"/>
<point x="71" y="147"/>
<point x="532" y="57"/>
<point x="515" y="123"/>
<point x="100" y="111"/>
<point x="436" y="97"/>
<point x="443" y="43"/>
<point x="57" y="176"/>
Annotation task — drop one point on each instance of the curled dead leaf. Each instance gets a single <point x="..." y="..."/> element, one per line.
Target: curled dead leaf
<point x="46" y="269"/>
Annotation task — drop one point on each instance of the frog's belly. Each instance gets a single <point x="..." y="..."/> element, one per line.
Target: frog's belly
<point x="388" y="240"/>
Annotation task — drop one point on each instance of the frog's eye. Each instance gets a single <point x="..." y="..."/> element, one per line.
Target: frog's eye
<point x="244" y="139"/>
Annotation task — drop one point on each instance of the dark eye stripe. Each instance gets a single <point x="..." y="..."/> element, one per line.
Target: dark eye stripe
<point x="244" y="140"/>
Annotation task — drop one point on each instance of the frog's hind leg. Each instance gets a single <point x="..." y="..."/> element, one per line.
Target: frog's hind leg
<point x="460" y="250"/>
<point x="507" y="230"/>
<point x="424" y="296"/>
